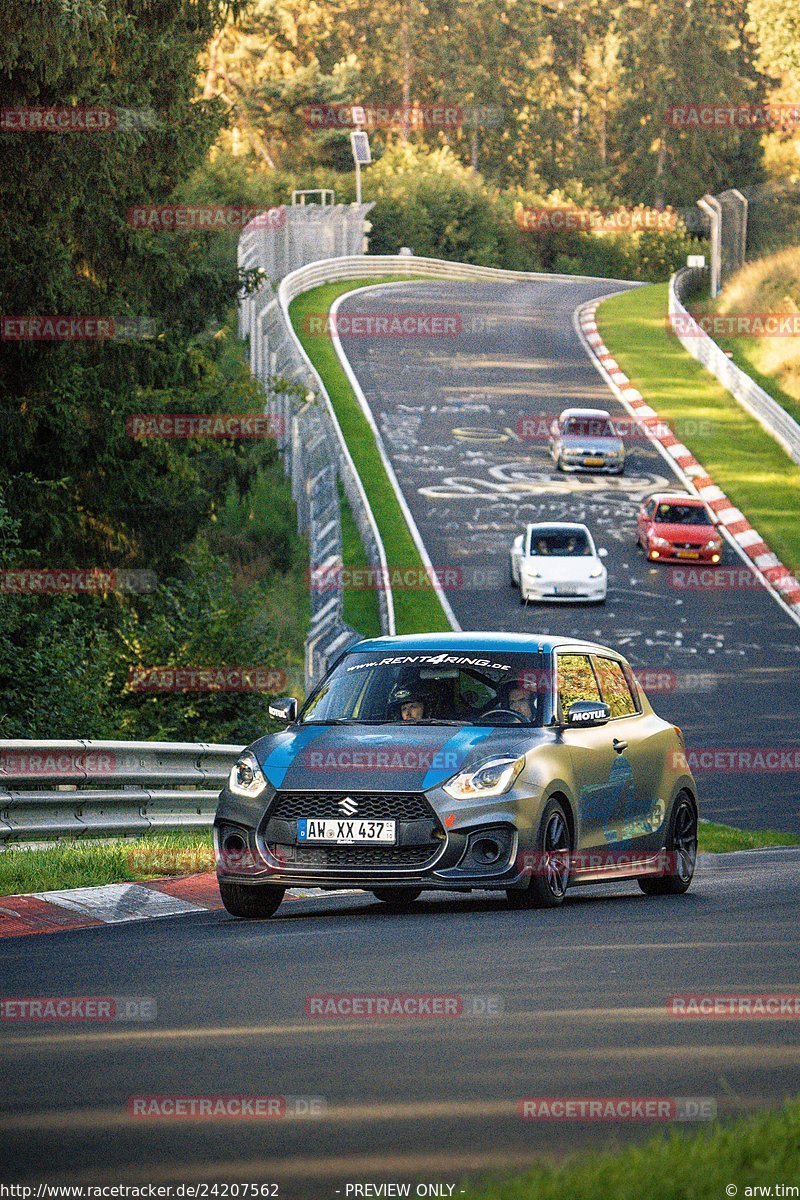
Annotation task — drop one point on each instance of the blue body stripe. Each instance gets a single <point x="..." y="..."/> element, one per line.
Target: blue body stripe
<point x="278" y="762"/>
<point x="455" y="748"/>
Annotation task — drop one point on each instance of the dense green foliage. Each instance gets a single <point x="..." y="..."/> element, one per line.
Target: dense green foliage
<point x="581" y="89"/>
<point x="211" y="520"/>
<point x="427" y="199"/>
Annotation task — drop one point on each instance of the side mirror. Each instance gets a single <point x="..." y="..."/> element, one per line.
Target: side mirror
<point x="602" y="552"/>
<point x="283" y="710"/>
<point x="588" y="712"/>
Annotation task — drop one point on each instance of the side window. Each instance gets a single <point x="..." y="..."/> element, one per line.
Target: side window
<point x="576" y="680"/>
<point x="614" y="687"/>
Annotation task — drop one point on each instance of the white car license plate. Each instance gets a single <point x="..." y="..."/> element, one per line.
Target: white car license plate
<point x="345" y="832"/>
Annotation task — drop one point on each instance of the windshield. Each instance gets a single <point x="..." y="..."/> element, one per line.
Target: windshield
<point x="436" y="688"/>
<point x="682" y="514"/>
<point x="566" y="544"/>
<point x="589" y="427"/>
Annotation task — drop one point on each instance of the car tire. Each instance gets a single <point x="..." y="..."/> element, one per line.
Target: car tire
<point x="512" y="581"/>
<point x="559" y="463"/>
<point x="546" y="888"/>
<point x="396" y="897"/>
<point x="682" y="843"/>
<point x="257" y="900"/>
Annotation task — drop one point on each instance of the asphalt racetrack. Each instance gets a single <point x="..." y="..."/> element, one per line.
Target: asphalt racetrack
<point x="580" y="997"/>
<point x="463" y="421"/>
<point x="572" y="1002"/>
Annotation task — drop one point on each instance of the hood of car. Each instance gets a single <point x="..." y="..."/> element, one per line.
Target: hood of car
<point x="697" y="535"/>
<point x="390" y="758"/>
<point x="602" y="445"/>
<point x="563" y="567"/>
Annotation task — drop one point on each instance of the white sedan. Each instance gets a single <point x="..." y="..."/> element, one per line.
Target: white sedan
<point x="555" y="560"/>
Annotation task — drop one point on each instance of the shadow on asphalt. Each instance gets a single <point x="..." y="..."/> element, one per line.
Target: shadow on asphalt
<point x="331" y="908"/>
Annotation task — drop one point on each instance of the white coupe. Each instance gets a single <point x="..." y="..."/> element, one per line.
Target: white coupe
<point x="555" y="560"/>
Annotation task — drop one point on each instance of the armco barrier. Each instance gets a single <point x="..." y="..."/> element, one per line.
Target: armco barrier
<point x="705" y="350"/>
<point x="54" y="789"/>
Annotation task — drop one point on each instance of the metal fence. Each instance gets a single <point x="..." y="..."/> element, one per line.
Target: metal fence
<point x="55" y="789"/>
<point x="753" y="398"/>
<point x="309" y="440"/>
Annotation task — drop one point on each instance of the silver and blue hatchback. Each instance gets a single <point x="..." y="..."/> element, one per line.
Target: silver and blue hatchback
<point x="456" y="761"/>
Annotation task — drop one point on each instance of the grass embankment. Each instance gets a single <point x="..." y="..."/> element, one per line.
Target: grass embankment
<point x="752" y="1152"/>
<point x="417" y="610"/>
<point x="90" y="863"/>
<point x="720" y="839"/>
<point x="740" y="456"/>
<point x="770" y="285"/>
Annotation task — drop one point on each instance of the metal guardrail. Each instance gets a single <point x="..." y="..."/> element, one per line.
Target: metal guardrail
<point x="705" y="350"/>
<point x="55" y="789"/>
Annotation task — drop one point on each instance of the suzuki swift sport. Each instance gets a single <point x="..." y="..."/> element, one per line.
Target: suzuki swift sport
<point x="457" y="761"/>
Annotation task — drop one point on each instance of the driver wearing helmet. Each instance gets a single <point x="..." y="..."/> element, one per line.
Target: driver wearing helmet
<point x="411" y="706"/>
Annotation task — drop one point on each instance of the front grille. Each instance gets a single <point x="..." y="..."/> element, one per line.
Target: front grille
<point x="416" y="826"/>
<point x="403" y="806"/>
<point x="363" y="856"/>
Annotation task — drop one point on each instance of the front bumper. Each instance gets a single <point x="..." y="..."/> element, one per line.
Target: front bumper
<point x="452" y="859"/>
<point x="610" y="467"/>
<point x="566" y="593"/>
<point x="709" y="558"/>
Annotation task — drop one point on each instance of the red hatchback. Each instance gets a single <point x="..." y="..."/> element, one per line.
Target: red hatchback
<point x="675" y="528"/>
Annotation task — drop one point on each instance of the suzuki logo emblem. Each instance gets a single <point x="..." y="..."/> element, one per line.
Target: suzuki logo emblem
<point x="348" y="806"/>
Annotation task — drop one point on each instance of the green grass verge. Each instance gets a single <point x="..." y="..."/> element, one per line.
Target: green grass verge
<point x="719" y="839"/>
<point x="418" y="610"/>
<point x="757" y="1151"/>
<point x="739" y="455"/>
<point x="91" y="863"/>
<point x="360" y="606"/>
<point x="746" y="353"/>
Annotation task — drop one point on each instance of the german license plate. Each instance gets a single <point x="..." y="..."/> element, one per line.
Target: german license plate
<point x="345" y="832"/>
<point x="688" y="554"/>
<point x="594" y="462"/>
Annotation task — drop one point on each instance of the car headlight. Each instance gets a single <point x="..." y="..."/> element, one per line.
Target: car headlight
<point x="596" y="572"/>
<point x="659" y="541"/>
<point x="491" y="778"/>
<point x="532" y="573"/>
<point x="714" y="544"/>
<point x="246" y="777"/>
